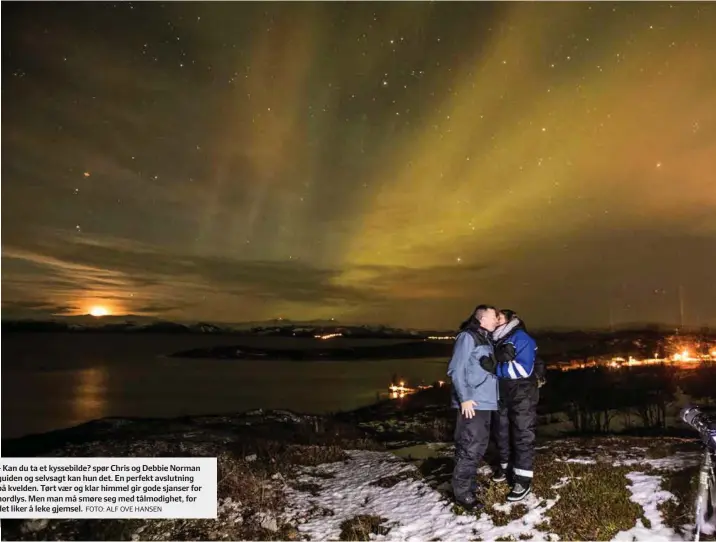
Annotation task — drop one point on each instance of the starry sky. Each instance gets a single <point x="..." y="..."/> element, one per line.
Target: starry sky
<point x="392" y="163"/>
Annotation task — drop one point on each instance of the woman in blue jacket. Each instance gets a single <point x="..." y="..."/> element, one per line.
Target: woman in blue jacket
<point x="515" y="423"/>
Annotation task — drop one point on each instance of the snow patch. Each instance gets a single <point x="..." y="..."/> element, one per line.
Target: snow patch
<point x="564" y="480"/>
<point x="580" y="460"/>
<point x="678" y="461"/>
<point x="423" y="451"/>
<point x="646" y="491"/>
<point x="412" y="509"/>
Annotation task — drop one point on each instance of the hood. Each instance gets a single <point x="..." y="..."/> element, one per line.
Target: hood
<point x="504" y="330"/>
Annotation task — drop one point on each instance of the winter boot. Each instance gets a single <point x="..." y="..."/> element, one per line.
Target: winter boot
<point x="499" y="474"/>
<point x="520" y="490"/>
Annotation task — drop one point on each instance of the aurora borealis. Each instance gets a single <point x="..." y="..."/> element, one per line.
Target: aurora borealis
<point x="390" y="163"/>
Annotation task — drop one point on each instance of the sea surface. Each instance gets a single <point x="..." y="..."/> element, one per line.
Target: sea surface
<point x="58" y="380"/>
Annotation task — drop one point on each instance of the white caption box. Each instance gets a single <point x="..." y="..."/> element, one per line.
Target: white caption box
<point x="107" y="487"/>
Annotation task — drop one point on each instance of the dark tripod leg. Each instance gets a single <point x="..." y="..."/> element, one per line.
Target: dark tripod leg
<point x="710" y="515"/>
<point x="704" y="497"/>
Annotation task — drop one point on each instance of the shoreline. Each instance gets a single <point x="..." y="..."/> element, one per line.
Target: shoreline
<point x="417" y="418"/>
<point x="402" y="350"/>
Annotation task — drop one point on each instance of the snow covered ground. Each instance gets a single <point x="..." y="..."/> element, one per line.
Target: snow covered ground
<point x="404" y="506"/>
<point x="412" y="509"/>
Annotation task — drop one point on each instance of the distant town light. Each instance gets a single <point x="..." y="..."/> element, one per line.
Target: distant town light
<point x="687" y="358"/>
<point x="400" y="391"/>
<point x="328" y="336"/>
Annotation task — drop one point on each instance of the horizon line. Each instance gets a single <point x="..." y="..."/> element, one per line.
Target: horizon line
<point x="554" y="327"/>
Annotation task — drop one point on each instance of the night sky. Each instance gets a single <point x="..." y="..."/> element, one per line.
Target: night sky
<point x="391" y="163"/>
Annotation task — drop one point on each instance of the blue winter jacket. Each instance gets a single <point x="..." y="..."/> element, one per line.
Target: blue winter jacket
<point x="469" y="379"/>
<point x="525" y="352"/>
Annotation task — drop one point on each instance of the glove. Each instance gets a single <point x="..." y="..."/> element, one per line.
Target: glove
<point x="505" y="352"/>
<point x="489" y="364"/>
<point x="541" y="382"/>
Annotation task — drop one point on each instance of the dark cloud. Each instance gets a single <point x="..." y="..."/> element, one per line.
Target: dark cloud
<point x="159" y="309"/>
<point x="114" y="269"/>
<point x="38" y="308"/>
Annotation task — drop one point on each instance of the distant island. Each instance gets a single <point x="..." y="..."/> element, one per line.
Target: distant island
<point x="401" y="350"/>
<point x="278" y="327"/>
<point x="329" y="339"/>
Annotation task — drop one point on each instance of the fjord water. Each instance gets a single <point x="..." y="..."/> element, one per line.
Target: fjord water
<point x="57" y="380"/>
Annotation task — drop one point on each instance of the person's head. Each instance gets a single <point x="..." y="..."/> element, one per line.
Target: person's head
<point x="504" y="316"/>
<point x="486" y="316"/>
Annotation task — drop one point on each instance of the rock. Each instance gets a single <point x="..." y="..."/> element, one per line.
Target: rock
<point x="250" y="458"/>
<point x="268" y="522"/>
<point x="34" y="525"/>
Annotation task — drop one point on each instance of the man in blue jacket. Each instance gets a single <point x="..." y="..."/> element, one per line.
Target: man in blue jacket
<point x="515" y="423"/>
<point x="474" y="394"/>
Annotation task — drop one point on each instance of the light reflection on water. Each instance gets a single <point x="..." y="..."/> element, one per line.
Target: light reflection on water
<point x="61" y="385"/>
<point x="89" y="396"/>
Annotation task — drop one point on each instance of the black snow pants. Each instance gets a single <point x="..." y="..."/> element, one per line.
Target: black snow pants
<point x="471" y="439"/>
<point x="514" y="424"/>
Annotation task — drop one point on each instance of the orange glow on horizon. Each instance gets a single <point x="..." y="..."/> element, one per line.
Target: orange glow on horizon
<point x="99" y="310"/>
